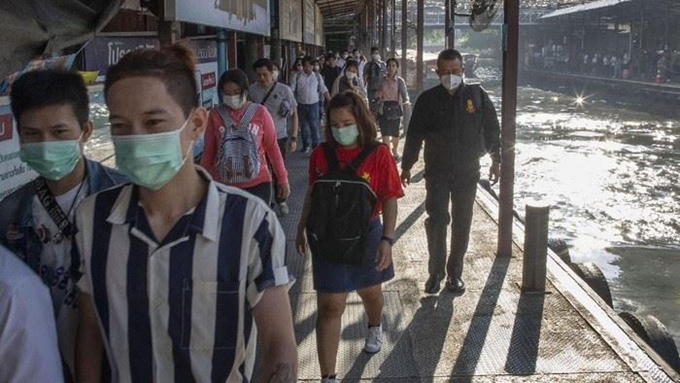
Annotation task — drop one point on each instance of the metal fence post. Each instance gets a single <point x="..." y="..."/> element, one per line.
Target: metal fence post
<point x="535" y="247"/>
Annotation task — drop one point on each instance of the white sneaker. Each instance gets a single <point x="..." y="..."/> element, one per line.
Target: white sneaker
<point x="374" y="339"/>
<point x="283" y="208"/>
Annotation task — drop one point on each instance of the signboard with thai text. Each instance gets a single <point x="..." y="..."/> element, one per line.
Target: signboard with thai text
<point x="206" y="70"/>
<point x="102" y="52"/>
<point x="290" y="20"/>
<point x="240" y="15"/>
<point x="13" y="172"/>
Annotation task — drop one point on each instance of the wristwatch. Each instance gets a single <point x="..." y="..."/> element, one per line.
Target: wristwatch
<point x="389" y="240"/>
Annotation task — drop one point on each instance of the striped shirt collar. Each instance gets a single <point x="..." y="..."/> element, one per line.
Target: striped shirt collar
<point x="204" y="217"/>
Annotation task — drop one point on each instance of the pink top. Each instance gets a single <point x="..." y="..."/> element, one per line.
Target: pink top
<point x="390" y="89"/>
<point x="262" y="126"/>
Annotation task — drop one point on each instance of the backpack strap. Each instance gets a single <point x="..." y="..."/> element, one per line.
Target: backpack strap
<point x="268" y="93"/>
<point x="331" y="158"/>
<point x="245" y="120"/>
<point x="359" y="159"/>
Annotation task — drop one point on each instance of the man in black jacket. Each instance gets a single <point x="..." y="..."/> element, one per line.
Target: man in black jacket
<point x="459" y="125"/>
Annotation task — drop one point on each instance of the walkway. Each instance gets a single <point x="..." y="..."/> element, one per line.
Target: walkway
<point x="492" y="333"/>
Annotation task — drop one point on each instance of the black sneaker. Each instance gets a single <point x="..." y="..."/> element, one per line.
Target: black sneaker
<point x="433" y="283"/>
<point x="455" y="285"/>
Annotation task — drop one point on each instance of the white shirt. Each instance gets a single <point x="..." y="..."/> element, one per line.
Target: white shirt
<point x="28" y="338"/>
<point x="308" y="87"/>
<point x="180" y="310"/>
<point x="55" y="264"/>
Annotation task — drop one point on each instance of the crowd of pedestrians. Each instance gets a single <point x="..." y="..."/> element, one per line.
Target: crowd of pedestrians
<point x="172" y="268"/>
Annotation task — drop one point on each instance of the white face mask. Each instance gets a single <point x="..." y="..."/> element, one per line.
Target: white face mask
<point x="350" y="75"/>
<point x="234" y="102"/>
<point x="275" y="75"/>
<point x="376" y="56"/>
<point x="450" y="81"/>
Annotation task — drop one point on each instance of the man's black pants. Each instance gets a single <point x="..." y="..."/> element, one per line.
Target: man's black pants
<point x="460" y="191"/>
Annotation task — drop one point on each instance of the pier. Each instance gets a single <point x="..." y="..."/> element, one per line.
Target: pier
<point x="491" y="333"/>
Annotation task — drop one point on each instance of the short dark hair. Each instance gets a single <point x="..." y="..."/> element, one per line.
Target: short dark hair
<point x="43" y="88"/>
<point x="357" y="105"/>
<point x="174" y="65"/>
<point x="263" y="62"/>
<point x="308" y="59"/>
<point x="375" y="49"/>
<point x="237" y="76"/>
<point x="449" y="54"/>
<point x="392" y="59"/>
<point x="352" y="62"/>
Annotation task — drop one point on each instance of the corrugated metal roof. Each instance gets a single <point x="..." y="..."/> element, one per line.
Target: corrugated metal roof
<point x="584" y="7"/>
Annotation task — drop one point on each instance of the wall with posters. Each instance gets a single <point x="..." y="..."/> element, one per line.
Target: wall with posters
<point x="308" y="27"/>
<point x="206" y="70"/>
<point x="240" y="15"/>
<point x="290" y="20"/>
<point x="13" y="172"/>
<point x="318" y="27"/>
<point x="102" y="52"/>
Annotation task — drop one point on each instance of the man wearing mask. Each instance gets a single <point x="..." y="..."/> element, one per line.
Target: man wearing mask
<point x="280" y="103"/>
<point x="330" y="71"/>
<point x="309" y="90"/>
<point x="374" y="71"/>
<point x="459" y="125"/>
<point x="36" y="221"/>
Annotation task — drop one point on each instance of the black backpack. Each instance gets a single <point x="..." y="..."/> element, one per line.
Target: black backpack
<point x="341" y="208"/>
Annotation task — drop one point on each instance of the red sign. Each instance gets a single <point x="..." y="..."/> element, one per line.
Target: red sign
<point x="5" y="127"/>
<point x="208" y="80"/>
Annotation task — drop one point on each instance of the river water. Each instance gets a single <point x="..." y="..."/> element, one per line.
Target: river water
<point x="612" y="177"/>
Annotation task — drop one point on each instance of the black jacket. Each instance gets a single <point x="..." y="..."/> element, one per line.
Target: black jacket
<point x="457" y="130"/>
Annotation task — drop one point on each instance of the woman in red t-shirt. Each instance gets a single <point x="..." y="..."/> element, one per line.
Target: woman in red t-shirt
<point x="349" y="127"/>
<point x="231" y="171"/>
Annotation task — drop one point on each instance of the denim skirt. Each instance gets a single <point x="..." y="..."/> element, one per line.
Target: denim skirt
<point x="340" y="278"/>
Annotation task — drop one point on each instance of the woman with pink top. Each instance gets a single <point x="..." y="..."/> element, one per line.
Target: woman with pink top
<point x="238" y="137"/>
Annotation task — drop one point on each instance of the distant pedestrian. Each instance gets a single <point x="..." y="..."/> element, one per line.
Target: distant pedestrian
<point x="393" y="97"/>
<point x="307" y="86"/>
<point x="350" y="80"/>
<point x="458" y="123"/>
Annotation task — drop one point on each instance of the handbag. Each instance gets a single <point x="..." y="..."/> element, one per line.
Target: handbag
<point x="391" y="110"/>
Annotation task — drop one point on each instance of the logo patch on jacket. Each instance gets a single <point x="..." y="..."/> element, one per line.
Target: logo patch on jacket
<point x="470" y="106"/>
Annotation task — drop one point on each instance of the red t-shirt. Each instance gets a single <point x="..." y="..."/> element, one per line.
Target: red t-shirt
<point x="378" y="169"/>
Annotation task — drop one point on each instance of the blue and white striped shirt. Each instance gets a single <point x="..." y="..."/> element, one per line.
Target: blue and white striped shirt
<point x="179" y="310"/>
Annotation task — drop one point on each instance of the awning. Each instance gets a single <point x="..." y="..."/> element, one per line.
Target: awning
<point x="584" y="8"/>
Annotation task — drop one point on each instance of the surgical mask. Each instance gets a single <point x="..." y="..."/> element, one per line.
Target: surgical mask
<point x="150" y="160"/>
<point x="53" y="160"/>
<point x="275" y="75"/>
<point x="350" y="75"/>
<point x="234" y="102"/>
<point x="450" y="81"/>
<point x="375" y="56"/>
<point x="315" y="68"/>
<point x="347" y="135"/>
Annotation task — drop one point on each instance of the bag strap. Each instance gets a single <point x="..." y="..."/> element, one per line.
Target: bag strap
<point x="245" y="120"/>
<point x="331" y="158"/>
<point x="359" y="159"/>
<point x="268" y="93"/>
<point x="52" y="207"/>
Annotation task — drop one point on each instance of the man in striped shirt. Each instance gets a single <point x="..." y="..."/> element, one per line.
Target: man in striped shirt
<point x="180" y="274"/>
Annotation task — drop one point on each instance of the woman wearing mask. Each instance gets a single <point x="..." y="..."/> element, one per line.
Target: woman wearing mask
<point x="297" y="67"/>
<point x="350" y="80"/>
<point x="393" y="97"/>
<point x="350" y="129"/>
<point x="239" y="135"/>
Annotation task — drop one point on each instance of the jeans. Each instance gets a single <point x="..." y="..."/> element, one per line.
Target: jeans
<point x="309" y="124"/>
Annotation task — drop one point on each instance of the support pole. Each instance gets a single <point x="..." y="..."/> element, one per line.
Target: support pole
<point x="420" y="28"/>
<point x="509" y="111"/>
<point x="384" y="30"/>
<point x="404" y="37"/>
<point x="449" y="23"/>
<point x="535" y="247"/>
<point x="393" y="27"/>
<point x="231" y="50"/>
<point x="221" y="52"/>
